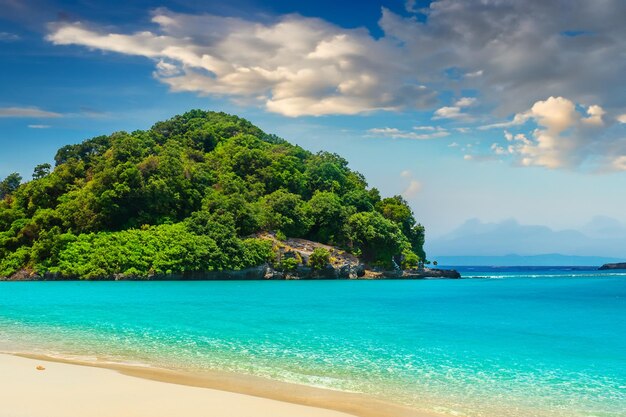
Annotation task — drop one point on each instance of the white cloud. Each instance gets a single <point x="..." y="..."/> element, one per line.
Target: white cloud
<point x="39" y="126"/>
<point x="619" y="163"/>
<point x="429" y="128"/>
<point x="479" y="157"/>
<point x="294" y="66"/>
<point x="166" y="69"/>
<point x="474" y="74"/>
<point x="27" y="112"/>
<point x="595" y="113"/>
<point x="448" y="112"/>
<point x="9" y="37"/>
<point x="395" y="133"/>
<point x="519" y="119"/>
<point x="413" y="187"/>
<point x="411" y="6"/>
<point x="465" y="102"/>
<point x="498" y="150"/>
<point x="513" y="54"/>
<point x="564" y="137"/>
<point x="455" y="112"/>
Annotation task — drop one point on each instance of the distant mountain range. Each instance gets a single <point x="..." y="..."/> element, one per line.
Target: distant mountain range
<point x="602" y="240"/>
<point x="554" y="259"/>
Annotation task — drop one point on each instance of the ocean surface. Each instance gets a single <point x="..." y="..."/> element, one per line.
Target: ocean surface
<point x="521" y="342"/>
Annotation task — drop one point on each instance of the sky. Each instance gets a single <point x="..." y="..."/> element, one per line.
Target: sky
<point x="490" y="110"/>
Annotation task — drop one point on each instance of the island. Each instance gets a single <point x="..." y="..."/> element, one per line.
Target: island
<point x="204" y="195"/>
<point x="618" y="265"/>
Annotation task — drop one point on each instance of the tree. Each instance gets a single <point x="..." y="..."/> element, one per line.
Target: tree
<point x="327" y="214"/>
<point x="378" y="239"/>
<point x="10" y="184"/>
<point x="41" y="170"/>
<point x="284" y="211"/>
<point x="397" y="210"/>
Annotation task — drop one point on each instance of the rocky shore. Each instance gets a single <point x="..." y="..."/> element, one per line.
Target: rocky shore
<point x="342" y="265"/>
<point x="263" y="272"/>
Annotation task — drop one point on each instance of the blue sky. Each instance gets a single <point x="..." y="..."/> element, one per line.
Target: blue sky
<point x="470" y="109"/>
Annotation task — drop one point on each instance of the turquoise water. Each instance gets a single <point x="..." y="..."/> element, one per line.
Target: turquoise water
<point x="505" y="343"/>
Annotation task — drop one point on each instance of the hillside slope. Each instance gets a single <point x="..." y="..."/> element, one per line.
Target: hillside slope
<point x="193" y="193"/>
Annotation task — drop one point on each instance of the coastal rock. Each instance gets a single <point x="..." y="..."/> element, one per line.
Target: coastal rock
<point x="619" y="265"/>
<point x="24" y="275"/>
<point x="431" y="273"/>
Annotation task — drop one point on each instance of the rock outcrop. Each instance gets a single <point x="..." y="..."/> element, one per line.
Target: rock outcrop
<point x="620" y="265"/>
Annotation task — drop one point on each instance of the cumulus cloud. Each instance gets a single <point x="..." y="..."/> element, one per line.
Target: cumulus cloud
<point x="512" y="52"/>
<point x="454" y="112"/>
<point x="516" y="52"/>
<point x="27" y="112"/>
<point x="565" y="137"/>
<point x="294" y="66"/>
<point x="395" y="133"/>
<point x="558" y="74"/>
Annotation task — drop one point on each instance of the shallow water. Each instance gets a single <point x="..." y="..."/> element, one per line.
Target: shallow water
<point x="508" y="342"/>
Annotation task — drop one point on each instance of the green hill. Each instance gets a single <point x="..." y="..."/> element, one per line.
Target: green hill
<point x="191" y="194"/>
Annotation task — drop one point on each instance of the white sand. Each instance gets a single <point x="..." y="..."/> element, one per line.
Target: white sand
<point x="66" y="390"/>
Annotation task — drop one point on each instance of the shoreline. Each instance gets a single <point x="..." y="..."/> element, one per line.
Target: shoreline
<point x="325" y="400"/>
<point x="260" y="273"/>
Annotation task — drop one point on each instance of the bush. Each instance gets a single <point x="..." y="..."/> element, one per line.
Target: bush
<point x="319" y="258"/>
<point x="289" y="264"/>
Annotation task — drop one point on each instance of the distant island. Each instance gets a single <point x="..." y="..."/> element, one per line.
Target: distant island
<point x="202" y="193"/>
<point x="619" y="265"/>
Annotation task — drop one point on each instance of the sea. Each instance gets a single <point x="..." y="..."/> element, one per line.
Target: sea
<point x="518" y="342"/>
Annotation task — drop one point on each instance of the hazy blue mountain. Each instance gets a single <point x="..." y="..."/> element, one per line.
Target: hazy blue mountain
<point x="601" y="238"/>
<point x="518" y="260"/>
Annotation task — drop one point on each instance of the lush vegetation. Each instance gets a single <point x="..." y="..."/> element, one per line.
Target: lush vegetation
<point x="189" y="194"/>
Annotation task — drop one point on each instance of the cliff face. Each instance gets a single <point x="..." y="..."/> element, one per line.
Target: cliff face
<point x="620" y="265"/>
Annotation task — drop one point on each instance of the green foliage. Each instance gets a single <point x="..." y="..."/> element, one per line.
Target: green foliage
<point x="379" y="240"/>
<point x="326" y="212"/>
<point x="288" y="264"/>
<point x="41" y="171"/>
<point x="410" y="260"/>
<point x="398" y="210"/>
<point x="10" y="184"/>
<point x="187" y="195"/>
<point x="285" y="212"/>
<point x="319" y="258"/>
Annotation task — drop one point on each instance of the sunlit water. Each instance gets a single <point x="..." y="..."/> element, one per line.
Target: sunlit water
<point x="530" y="342"/>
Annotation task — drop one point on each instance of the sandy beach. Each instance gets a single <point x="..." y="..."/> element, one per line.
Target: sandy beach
<point x="65" y="389"/>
